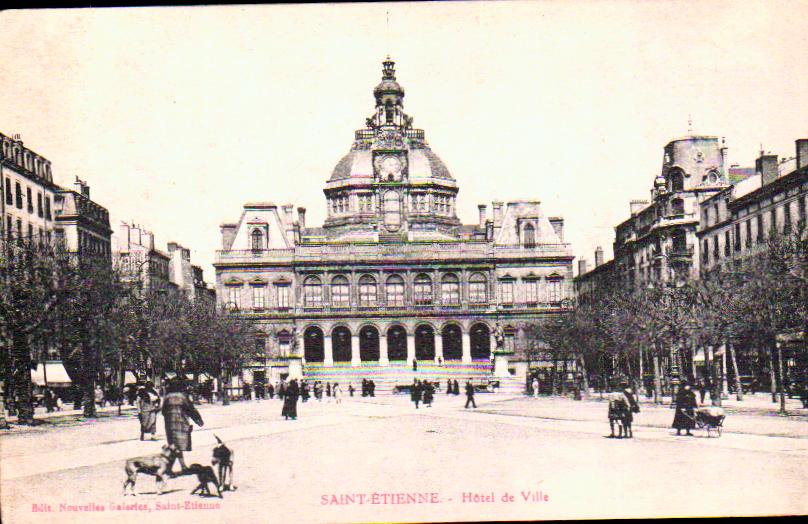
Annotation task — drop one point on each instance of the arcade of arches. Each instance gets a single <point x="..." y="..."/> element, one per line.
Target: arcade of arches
<point x="369" y="343"/>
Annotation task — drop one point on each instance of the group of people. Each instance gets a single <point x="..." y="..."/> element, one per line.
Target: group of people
<point x="368" y="388"/>
<point x="452" y="387"/>
<point x="422" y="391"/>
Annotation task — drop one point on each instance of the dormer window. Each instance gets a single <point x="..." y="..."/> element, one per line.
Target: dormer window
<point x="257" y="240"/>
<point x="529" y="236"/>
<point x="676" y="180"/>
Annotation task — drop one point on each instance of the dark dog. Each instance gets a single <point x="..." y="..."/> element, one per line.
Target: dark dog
<point x="223" y="457"/>
<point x="205" y="476"/>
<point x="156" y="465"/>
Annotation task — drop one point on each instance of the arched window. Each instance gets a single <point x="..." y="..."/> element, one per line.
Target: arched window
<point x="367" y="291"/>
<point x="530" y="236"/>
<point x="257" y="240"/>
<point x="340" y="292"/>
<point x="423" y="290"/>
<point x="676" y="180"/>
<point x="394" y="288"/>
<point x="678" y="206"/>
<point x="478" y="289"/>
<point x="450" y="289"/>
<point x="313" y="292"/>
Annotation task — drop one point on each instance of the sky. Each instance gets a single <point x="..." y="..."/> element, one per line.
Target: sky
<point x="178" y="116"/>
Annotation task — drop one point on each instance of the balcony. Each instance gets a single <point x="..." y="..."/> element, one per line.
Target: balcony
<point x="680" y="253"/>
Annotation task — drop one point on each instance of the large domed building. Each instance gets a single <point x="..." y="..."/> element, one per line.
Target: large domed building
<point x="392" y="276"/>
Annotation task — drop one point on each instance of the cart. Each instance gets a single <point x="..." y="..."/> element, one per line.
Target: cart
<point x="711" y="418"/>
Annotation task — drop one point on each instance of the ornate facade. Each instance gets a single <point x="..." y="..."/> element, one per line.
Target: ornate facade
<point x="392" y="276"/>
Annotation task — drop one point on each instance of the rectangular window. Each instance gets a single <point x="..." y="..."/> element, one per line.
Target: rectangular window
<point x="19" y="228"/>
<point x="737" y="237"/>
<point x="340" y="295"/>
<point x="760" y="232"/>
<point x="773" y="224"/>
<point x="283" y="296"/>
<point x="9" y="194"/>
<point x="726" y="243"/>
<point x="802" y="203"/>
<point x="705" y="251"/>
<point x="749" y="233"/>
<point x="30" y="199"/>
<point x="423" y="292"/>
<point x="367" y="293"/>
<point x="532" y="291"/>
<point x="9" y="227"/>
<point x="507" y="292"/>
<point x="258" y="293"/>
<point x="450" y="292"/>
<point x="47" y="208"/>
<point x="555" y="290"/>
<point x="234" y="296"/>
<point x="787" y="218"/>
<point x="715" y="213"/>
<point x="313" y="295"/>
<point x="39" y="211"/>
<point x="716" y="248"/>
<point x="18" y="189"/>
<point x="395" y="293"/>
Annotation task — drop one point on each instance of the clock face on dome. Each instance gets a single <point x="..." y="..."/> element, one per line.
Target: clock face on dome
<point x="389" y="168"/>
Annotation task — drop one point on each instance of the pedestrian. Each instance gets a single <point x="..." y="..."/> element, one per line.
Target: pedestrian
<point x="414" y="365"/>
<point x="708" y="386"/>
<point x="281" y="390"/>
<point x="259" y="391"/>
<point x="337" y="392"/>
<point x="364" y="387"/>
<point x="177" y="409"/>
<point x="351" y="388"/>
<point x="271" y="391"/>
<point x="449" y="388"/>
<point x="685" y="417"/>
<point x="415" y="392"/>
<point x="372" y="388"/>
<point x="535" y="387"/>
<point x="440" y="362"/>
<point x="328" y="389"/>
<point x="456" y="388"/>
<point x="148" y="404"/>
<point x="247" y="391"/>
<point x="304" y="391"/>
<point x="429" y="393"/>
<point x="48" y="397"/>
<point x="99" y="396"/>
<point x="290" y="401"/>
<point x="702" y="390"/>
<point x="470" y="395"/>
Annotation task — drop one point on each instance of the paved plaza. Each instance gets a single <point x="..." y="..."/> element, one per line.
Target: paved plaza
<point x="380" y="459"/>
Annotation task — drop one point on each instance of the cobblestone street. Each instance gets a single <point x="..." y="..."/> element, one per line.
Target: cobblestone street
<point x="464" y="464"/>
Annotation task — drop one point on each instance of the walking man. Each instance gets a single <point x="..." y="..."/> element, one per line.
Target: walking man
<point x="177" y="409"/>
<point x="470" y="395"/>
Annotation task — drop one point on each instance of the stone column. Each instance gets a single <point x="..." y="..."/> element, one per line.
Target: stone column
<point x="383" y="359"/>
<point x="410" y="348"/>
<point x="328" y="351"/>
<point x="355" y="360"/>
<point x="438" y="347"/>
<point x="466" y="348"/>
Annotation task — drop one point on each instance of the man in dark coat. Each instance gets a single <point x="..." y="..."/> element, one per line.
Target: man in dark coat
<point x="429" y="393"/>
<point x="372" y="388"/>
<point x="449" y="388"/>
<point x="290" y="401"/>
<point x="470" y="395"/>
<point x="456" y="388"/>
<point x="415" y="392"/>
<point x="177" y="409"/>
<point x="685" y="417"/>
<point x="414" y="365"/>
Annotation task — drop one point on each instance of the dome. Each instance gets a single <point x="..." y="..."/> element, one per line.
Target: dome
<point x="423" y="163"/>
<point x="388" y="85"/>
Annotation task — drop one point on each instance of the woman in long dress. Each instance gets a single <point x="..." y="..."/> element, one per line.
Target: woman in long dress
<point x="290" y="401"/>
<point x="148" y="404"/>
<point x="685" y="417"/>
<point x="336" y="391"/>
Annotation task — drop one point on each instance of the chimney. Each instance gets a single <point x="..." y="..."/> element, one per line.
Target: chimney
<point x="497" y="206"/>
<point x="766" y="165"/>
<point x="228" y="235"/>
<point x="287" y="213"/>
<point x="483" y="210"/>
<point x="172" y="246"/>
<point x="637" y="205"/>
<point x="301" y="217"/>
<point x="123" y="242"/>
<point x="558" y="227"/>
<point x="802" y="153"/>
<point x="598" y="256"/>
<point x="581" y="267"/>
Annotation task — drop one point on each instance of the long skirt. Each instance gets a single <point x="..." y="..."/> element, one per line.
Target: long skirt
<point x="148" y="421"/>
<point x="289" y="407"/>
<point x="684" y="419"/>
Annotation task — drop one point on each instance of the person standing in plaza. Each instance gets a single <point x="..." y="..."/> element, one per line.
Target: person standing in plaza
<point x="414" y="365"/>
<point x="535" y="387"/>
<point x="456" y="388"/>
<point x="177" y="409"/>
<point x="470" y="395"/>
<point x="48" y="398"/>
<point x="99" y="396"/>
<point x="415" y="392"/>
<point x="336" y="391"/>
<point x="685" y="417"/>
<point x="304" y="391"/>
<point x="290" y="401"/>
<point x="351" y="389"/>
<point x="328" y="389"/>
<point x="449" y="389"/>
<point x="429" y="393"/>
<point x="148" y="404"/>
<point x="372" y="388"/>
<point x="271" y="391"/>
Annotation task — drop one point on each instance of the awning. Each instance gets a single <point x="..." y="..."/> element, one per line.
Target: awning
<point x="57" y="375"/>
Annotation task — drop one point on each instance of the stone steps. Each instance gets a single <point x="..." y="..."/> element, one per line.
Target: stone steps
<point x="387" y="377"/>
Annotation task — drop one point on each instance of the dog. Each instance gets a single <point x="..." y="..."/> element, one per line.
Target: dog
<point x="156" y="465"/>
<point x="223" y="457"/>
<point x="205" y="476"/>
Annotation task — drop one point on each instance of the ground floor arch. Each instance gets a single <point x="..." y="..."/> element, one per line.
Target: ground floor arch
<point x="313" y="344"/>
<point x="369" y="344"/>
<point x="480" y="342"/>
<point x="452" y="340"/>
<point x="397" y="343"/>
<point x="424" y="342"/>
<point x="341" y="343"/>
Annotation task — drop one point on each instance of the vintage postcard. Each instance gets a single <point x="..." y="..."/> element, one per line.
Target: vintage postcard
<point x="405" y="262"/>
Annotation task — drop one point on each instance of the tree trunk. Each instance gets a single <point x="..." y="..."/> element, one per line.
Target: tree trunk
<point x="772" y="376"/>
<point x="718" y="379"/>
<point x="88" y="376"/>
<point x="3" y="421"/>
<point x="21" y="372"/>
<point x="657" y="381"/>
<point x="782" y="379"/>
<point x="584" y="378"/>
<point x="738" y="386"/>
